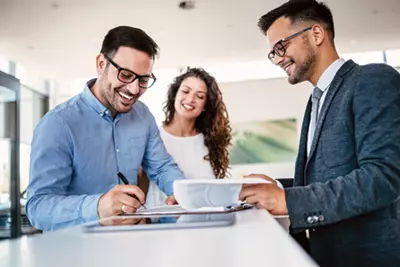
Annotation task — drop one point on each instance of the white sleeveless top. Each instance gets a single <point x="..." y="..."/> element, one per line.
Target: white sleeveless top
<point x="188" y="153"/>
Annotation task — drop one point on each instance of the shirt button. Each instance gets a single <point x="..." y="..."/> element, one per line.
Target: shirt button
<point x="117" y="150"/>
<point x="107" y="112"/>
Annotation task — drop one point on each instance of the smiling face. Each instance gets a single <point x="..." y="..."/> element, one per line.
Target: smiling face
<point x="191" y="98"/>
<point x="300" y="57"/>
<point x="118" y="96"/>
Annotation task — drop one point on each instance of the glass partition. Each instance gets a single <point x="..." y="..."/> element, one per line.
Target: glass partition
<point x="10" y="209"/>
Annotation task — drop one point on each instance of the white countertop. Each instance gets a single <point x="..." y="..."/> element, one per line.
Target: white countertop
<point x="256" y="239"/>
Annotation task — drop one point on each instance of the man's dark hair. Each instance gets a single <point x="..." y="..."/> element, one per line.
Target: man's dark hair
<point x="129" y="37"/>
<point x="300" y="11"/>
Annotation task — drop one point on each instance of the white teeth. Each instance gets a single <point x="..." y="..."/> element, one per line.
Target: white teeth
<point x="189" y="107"/>
<point x="287" y="67"/>
<point x="125" y="96"/>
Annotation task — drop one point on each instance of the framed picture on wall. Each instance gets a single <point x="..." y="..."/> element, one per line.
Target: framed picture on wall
<point x="264" y="142"/>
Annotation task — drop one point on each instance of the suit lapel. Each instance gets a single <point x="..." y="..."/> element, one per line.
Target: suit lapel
<point x="333" y="88"/>
<point x="302" y="152"/>
<point x="327" y="102"/>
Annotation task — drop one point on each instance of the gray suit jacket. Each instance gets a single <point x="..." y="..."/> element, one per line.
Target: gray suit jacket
<point x="347" y="191"/>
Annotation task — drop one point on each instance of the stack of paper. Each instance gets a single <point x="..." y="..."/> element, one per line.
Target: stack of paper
<point x="200" y="193"/>
<point x="204" y="195"/>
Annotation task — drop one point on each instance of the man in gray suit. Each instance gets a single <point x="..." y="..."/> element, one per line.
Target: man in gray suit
<point x="347" y="176"/>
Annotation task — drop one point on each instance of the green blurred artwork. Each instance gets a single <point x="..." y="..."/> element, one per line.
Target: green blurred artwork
<point x="264" y="142"/>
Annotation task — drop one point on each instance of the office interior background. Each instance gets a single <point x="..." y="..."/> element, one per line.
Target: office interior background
<point x="48" y="50"/>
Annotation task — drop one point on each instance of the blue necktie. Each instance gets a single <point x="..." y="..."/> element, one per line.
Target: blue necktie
<point x="315" y="98"/>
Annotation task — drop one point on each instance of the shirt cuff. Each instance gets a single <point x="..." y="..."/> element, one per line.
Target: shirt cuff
<point x="169" y="188"/>
<point x="89" y="208"/>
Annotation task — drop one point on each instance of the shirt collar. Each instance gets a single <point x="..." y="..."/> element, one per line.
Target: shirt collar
<point x="92" y="100"/>
<point x="328" y="75"/>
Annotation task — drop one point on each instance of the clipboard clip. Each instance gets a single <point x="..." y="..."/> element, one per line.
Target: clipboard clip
<point x="240" y="206"/>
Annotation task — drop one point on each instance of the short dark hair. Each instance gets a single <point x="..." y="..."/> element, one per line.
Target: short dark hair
<point x="300" y="11"/>
<point x="129" y="37"/>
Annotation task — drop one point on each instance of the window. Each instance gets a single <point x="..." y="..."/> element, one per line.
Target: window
<point x="4" y="65"/>
<point x="32" y="108"/>
<point x="393" y="58"/>
<point x="363" y="58"/>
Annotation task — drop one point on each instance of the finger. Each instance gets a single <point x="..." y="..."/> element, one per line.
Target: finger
<point x="246" y="192"/>
<point x="127" y="209"/>
<point x="130" y="221"/>
<point x="128" y="200"/>
<point x="272" y="180"/>
<point x="258" y="187"/>
<point x="132" y="190"/>
<point x="141" y="221"/>
<point x="171" y="200"/>
<point x="254" y="189"/>
<point x="262" y="176"/>
<point x="255" y="200"/>
<point x="255" y="175"/>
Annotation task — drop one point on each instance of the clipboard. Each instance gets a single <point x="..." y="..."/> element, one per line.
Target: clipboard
<point x="165" y="222"/>
<point x="177" y="210"/>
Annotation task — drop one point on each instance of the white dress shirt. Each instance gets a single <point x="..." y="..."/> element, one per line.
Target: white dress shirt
<point x="323" y="83"/>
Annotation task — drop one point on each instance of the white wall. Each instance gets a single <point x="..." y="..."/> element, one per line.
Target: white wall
<point x="261" y="100"/>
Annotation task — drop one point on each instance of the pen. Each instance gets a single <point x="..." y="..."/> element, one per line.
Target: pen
<point x="125" y="181"/>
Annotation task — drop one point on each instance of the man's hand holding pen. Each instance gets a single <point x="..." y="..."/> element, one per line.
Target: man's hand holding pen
<point x="123" y="198"/>
<point x="120" y="199"/>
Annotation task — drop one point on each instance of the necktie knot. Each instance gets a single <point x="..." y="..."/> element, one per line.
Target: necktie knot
<point x="316" y="94"/>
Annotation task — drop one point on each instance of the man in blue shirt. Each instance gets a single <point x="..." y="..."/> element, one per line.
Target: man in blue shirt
<point x="79" y="147"/>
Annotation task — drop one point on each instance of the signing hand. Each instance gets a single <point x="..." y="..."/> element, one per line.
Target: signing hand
<point x="120" y="199"/>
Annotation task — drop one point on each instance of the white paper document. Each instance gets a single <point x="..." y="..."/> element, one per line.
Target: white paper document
<point x="176" y="209"/>
<point x="205" y="195"/>
<point x="200" y="193"/>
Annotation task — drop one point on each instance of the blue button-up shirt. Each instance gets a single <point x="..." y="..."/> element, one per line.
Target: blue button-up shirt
<point x="77" y="150"/>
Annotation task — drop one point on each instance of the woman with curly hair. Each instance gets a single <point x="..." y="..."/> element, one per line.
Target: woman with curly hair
<point x="196" y="130"/>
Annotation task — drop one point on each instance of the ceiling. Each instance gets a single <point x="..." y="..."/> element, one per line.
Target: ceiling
<point x="60" y="38"/>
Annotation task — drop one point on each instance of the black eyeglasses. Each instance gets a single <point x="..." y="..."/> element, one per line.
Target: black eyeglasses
<point x="128" y="76"/>
<point x="279" y="49"/>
